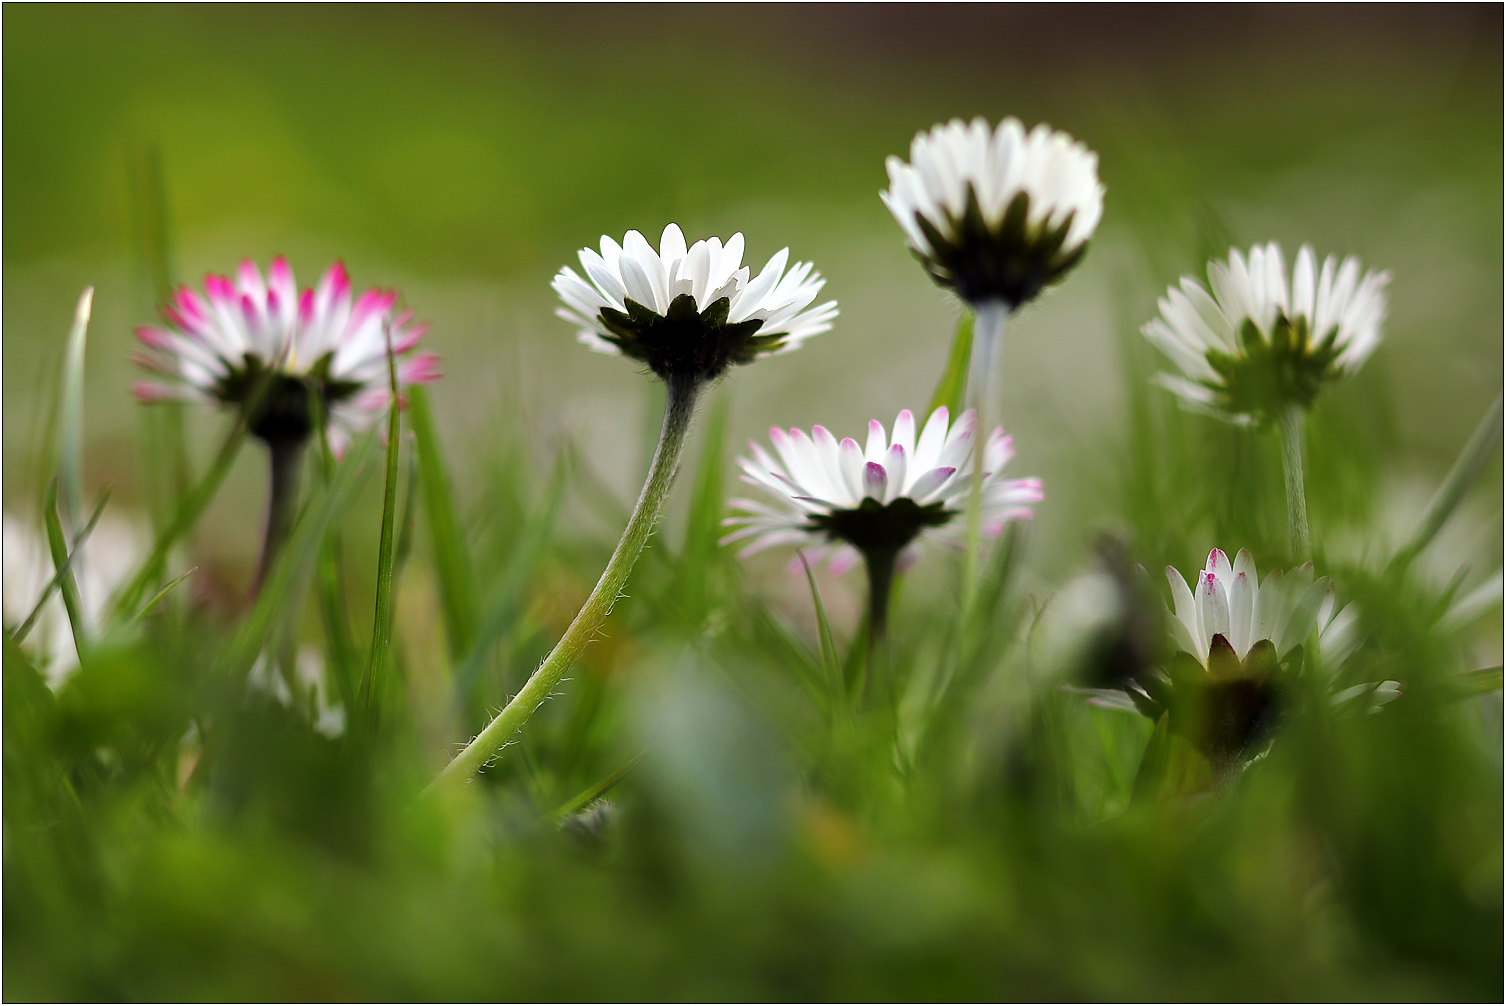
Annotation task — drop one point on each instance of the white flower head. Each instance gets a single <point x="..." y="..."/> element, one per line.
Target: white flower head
<point x="840" y="498"/>
<point x="263" y="339"/>
<point x="312" y="680"/>
<point x="996" y="215"/>
<point x="105" y="562"/>
<point x="1260" y="342"/>
<point x="690" y="312"/>
<point x="1235" y="630"/>
<point x="1229" y="609"/>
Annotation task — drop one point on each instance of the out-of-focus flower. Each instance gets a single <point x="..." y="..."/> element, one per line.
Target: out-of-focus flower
<point x="297" y="350"/>
<point x="996" y="215"/>
<point x="831" y="495"/>
<point x="325" y="713"/>
<point x="107" y="559"/>
<point x="689" y="313"/>
<point x="1256" y="344"/>
<point x="1229" y="610"/>
<point x="1234" y="630"/>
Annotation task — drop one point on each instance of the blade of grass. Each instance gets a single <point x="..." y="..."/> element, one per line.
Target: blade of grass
<point x="951" y="390"/>
<point x="167" y="454"/>
<point x="157" y="597"/>
<point x="330" y="587"/>
<point x="703" y="525"/>
<point x="591" y="794"/>
<point x="65" y="572"/>
<point x="1460" y="479"/>
<point x="320" y="513"/>
<point x="70" y="425"/>
<point x="452" y="564"/>
<point x="405" y="525"/>
<point x="187" y="513"/>
<point x="829" y="662"/>
<point x="61" y="561"/>
<point x="506" y="605"/>
<point x="381" y="628"/>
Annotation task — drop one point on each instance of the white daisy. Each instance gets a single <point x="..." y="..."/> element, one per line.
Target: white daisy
<point x="325" y="711"/>
<point x="106" y="561"/>
<point x="996" y="215"/>
<point x="218" y="347"/>
<point x="838" y="497"/>
<point x="1231" y="602"/>
<point x="1257" y="344"/>
<point x="690" y="311"/>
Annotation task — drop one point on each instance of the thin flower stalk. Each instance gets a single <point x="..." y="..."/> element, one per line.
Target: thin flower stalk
<point x="678" y="411"/>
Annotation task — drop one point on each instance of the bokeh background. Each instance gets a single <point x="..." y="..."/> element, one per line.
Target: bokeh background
<point x="464" y="154"/>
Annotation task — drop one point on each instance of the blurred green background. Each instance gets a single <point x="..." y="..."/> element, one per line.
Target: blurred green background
<point x="464" y="154"/>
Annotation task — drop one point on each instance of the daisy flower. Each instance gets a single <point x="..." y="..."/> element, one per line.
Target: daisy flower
<point x="996" y="215"/>
<point x="690" y="312"/>
<point x="875" y="501"/>
<point x="105" y="562"/>
<point x="1259" y="343"/>
<point x="1233" y="631"/>
<point x="318" y="347"/>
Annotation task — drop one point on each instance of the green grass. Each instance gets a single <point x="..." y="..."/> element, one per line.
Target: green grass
<point x="704" y="810"/>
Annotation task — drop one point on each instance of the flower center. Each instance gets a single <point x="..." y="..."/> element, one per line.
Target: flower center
<point x="877" y="528"/>
<point x="281" y="404"/>
<point x="684" y="342"/>
<point x="1267" y="374"/>
<point x="1008" y="261"/>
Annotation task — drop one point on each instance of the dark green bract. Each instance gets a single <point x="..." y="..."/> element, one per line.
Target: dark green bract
<point x="684" y="342"/>
<point x="876" y="527"/>
<point x="1269" y="374"/>
<point x="281" y="404"/>
<point x="1010" y="261"/>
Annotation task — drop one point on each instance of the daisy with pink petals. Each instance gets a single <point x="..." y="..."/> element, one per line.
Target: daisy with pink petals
<point x="302" y="349"/>
<point x="876" y="500"/>
<point x="290" y="360"/>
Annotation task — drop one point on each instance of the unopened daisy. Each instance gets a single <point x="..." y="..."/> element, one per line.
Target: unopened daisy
<point x="1235" y="631"/>
<point x="690" y="312"/>
<point x="287" y="358"/>
<point x="875" y="501"/>
<point x="1259" y="349"/>
<point x="996" y="214"/>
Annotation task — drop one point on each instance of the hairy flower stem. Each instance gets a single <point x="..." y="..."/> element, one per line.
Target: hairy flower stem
<point x="286" y="455"/>
<point x="879" y="563"/>
<point x="678" y="411"/>
<point x="1296" y="492"/>
<point x="988" y="331"/>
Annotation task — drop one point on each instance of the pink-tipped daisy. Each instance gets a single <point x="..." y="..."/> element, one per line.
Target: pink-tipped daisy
<point x="850" y="500"/>
<point x="289" y="351"/>
<point x="690" y="312"/>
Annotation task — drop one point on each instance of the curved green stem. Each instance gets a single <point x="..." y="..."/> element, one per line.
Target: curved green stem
<point x="989" y="319"/>
<point x="1296" y="490"/>
<point x="678" y="411"/>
